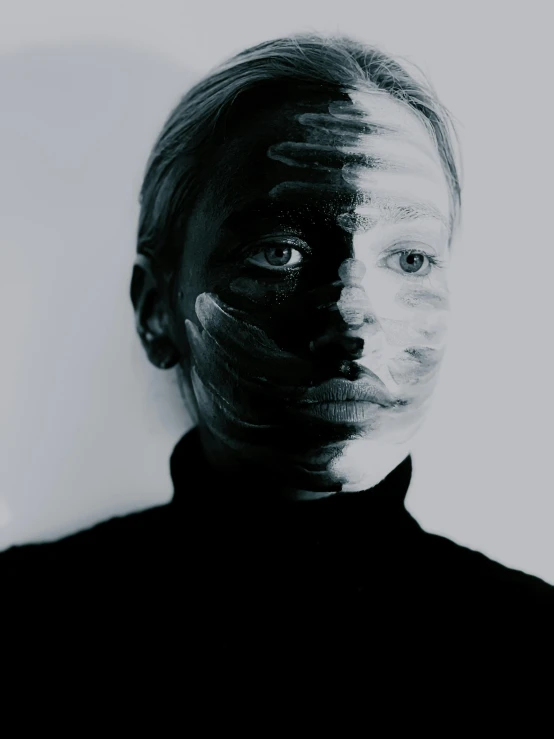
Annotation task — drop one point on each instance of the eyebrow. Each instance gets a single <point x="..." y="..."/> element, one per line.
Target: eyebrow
<point x="260" y="208"/>
<point x="390" y="210"/>
<point x="356" y="219"/>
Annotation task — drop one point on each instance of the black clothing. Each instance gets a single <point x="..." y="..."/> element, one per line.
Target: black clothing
<point x="237" y="567"/>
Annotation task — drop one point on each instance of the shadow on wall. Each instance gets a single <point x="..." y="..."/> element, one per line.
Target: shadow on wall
<point x="87" y="425"/>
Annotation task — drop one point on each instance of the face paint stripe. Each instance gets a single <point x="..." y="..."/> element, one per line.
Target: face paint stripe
<point x="252" y="368"/>
<point x="323" y="157"/>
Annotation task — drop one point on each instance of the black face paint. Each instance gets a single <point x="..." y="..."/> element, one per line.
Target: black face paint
<point x="251" y="395"/>
<point x="291" y="366"/>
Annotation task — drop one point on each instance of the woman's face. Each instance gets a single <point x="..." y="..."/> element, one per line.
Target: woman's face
<point x="313" y="288"/>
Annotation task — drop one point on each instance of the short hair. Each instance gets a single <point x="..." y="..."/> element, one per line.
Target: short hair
<point x="173" y="172"/>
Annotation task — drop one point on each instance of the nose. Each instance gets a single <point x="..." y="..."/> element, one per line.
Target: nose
<point x="351" y="320"/>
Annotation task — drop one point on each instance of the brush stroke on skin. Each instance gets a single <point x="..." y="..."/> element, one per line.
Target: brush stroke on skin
<point x="369" y="306"/>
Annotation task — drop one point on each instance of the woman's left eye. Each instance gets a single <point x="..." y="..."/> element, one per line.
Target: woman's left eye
<point x="276" y="256"/>
<point x="410" y="262"/>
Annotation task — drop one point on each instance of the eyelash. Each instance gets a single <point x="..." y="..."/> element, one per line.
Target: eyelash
<point x="303" y="248"/>
<point x="434" y="261"/>
<point x="290" y="242"/>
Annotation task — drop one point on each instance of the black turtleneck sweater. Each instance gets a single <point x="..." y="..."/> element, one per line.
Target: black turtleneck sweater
<point x="233" y="564"/>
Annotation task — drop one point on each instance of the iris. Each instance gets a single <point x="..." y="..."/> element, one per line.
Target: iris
<point x="410" y="262"/>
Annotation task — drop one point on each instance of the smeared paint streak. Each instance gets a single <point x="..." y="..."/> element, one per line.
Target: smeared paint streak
<point x="355" y="223"/>
<point x="376" y="109"/>
<point x="416" y="364"/>
<point x="403" y="333"/>
<point x="352" y="271"/>
<point x="423" y="299"/>
<point x="356" y="142"/>
<point x="249" y="385"/>
<point x="333" y="123"/>
<point x="353" y="305"/>
<point x="354" y="311"/>
<point x="320" y="157"/>
<point x="387" y="209"/>
<point x="358" y="333"/>
<point x="232" y="332"/>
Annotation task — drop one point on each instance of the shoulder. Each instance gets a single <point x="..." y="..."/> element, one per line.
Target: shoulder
<point x="104" y="540"/>
<point x="467" y="573"/>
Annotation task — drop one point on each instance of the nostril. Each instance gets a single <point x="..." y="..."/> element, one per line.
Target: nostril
<point x="353" y="346"/>
<point x="337" y="346"/>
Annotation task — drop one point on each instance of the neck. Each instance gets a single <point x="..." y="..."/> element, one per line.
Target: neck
<point x="359" y="466"/>
<point x="200" y="485"/>
<point x="234" y="467"/>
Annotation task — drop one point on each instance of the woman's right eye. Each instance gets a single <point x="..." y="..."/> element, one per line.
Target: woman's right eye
<point x="276" y="257"/>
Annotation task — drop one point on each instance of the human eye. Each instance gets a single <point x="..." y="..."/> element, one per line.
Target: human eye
<point x="412" y="261"/>
<point x="278" y="254"/>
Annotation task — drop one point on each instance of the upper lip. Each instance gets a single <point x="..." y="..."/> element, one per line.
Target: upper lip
<point x="366" y="389"/>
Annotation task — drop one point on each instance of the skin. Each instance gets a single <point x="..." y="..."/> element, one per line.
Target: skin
<point x="319" y="251"/>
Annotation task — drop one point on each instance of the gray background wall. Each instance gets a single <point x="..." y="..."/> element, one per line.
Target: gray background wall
<point x="86" y="426"/>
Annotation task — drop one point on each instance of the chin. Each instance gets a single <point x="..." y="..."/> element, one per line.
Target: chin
<point x="364" y="463"/>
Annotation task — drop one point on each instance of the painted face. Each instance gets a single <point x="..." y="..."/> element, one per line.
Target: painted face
<point x="314" y="291"/>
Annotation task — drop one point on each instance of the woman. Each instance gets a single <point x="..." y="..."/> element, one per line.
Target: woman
<point x="297" y="217"/>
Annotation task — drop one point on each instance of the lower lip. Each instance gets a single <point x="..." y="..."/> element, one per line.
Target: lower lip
<point x="349" y="411"/>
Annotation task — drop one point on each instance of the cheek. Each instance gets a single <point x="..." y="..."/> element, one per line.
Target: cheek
<point x="192" y="280"/>
<point x="262" y="292"/>
<point x="409" y="308"/>
<point x="416" y="345"/>
<point x="414" y="319"/>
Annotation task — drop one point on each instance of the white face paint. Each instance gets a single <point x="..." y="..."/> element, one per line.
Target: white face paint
<point x="403" y="209"/>
<point x="380" y="314"/>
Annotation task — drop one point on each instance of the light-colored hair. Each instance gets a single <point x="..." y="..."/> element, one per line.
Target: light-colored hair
<point x="337" y="63"/>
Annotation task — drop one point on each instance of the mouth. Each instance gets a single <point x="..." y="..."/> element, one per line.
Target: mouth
<point x="347" y="401"/>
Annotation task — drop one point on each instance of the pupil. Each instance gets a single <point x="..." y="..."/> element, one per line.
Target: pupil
<point x="411" y="262"/>
<point x="278" y="256"/>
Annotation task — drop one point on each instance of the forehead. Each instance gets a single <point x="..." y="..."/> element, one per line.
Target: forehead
<point x="334" y="153"/>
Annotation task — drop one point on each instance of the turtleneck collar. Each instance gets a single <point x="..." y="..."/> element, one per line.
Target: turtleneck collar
<point x="193" y="477"/>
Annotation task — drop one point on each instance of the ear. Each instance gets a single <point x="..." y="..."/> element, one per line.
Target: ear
<point x="152" y="316"/>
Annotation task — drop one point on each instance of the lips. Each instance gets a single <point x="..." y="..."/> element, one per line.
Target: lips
<point x="366" y="389"/>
